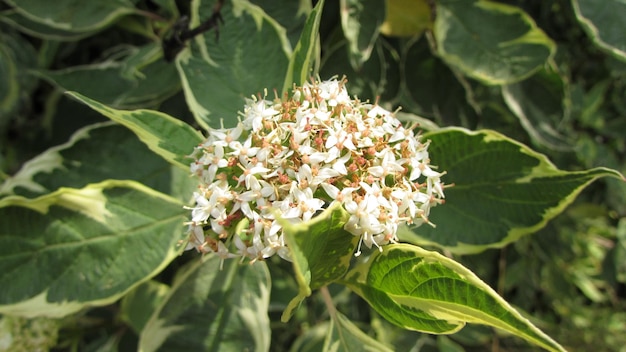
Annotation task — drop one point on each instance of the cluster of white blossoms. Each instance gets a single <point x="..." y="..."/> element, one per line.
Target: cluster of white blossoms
<point x="296" y="157"/>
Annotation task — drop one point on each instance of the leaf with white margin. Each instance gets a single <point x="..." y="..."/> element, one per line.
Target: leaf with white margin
<point x="39" y="30"/>
<point x="539" y="104"/>
<point x="320" y="250"/>
<point x="489" y="41"/>
<point x="307" y="51"/>
<point x="503" y="190"/>
<point x="69" y="15"/>
<point x="425" y="291"/>
<point x="76" y="248"/>
<point x="344" y="335"/>
<point x="361" y="21"/>
<point x="141" y="80"/>
<point x="165" y="135"/>
<point x="604" y="23"/>
<point x="213" y="306"/>
<point x="86" y="158"/>
<point x="251" y="55"/>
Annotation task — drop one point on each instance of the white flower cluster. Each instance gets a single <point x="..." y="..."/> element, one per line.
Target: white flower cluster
<point x="299" y="155"/>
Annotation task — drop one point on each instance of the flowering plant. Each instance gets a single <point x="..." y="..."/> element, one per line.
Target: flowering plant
<point x="294" y="157"/>
<point x="93" y="231"/>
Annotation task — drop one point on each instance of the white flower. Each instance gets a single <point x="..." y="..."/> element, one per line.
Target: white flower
<point x="201" y="212"/>
<point x="297" y="156"/>
<point x="196" y="237"/>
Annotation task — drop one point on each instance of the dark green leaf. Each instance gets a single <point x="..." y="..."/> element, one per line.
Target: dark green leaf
<point x="492" y="42"/>
<point x="17" y="56"/>
<point x="502" y="191"/>
<point x="139" y="304"/>
<point x="76" y="248"/>
<point x="538" y="102"/>
<point x="378" y="77"/>
<point x="291" y="15"/>
<point x="139" y="81"/>
<point x="73" y="15"/>
<point x="361" y="21"/>
<point x="344" y="335"/>
<point x="604" y="23"/>
<point x="38" y="29"/>
<point x="213" y="308"/>
<point x="251" y="56"/>
<point x="433" y="90"/>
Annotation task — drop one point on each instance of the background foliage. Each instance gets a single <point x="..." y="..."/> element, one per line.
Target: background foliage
<point x="549" y="75"/>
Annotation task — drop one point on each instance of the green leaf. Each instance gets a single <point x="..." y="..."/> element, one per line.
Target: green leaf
<point x="139" y="81"/>
<point x="489" y="41"/>
<point x="291" y="15"/>
<point x="538" y="103"/>
<point x="213" y="309"/>
<point x="425" y="291"/>
<point x="502" y="191"/>
<point x="17" y="56"/>
<point x="406" y="18"/>
<point x="80" y="247"/>
<point x="170" y="138"/>
<point x="251" y="56"/>
<point x="619" y="260"/>
<point x="307" y="51"/>
<point x="344" y="335"/>
<point x="169" y="7"/>
<point x="432" y="89"/>
<point x="361" y="21"/>
<point x="312" y="339"/>
<point x="139" y="304"/>
<point x="73" y="15"/>
<point x="37" y="29"/>
<point x="378" y="77"/>
<point x="604" y="23"/>
<point x="86" y="158"/>
<point x="320" y="251"/>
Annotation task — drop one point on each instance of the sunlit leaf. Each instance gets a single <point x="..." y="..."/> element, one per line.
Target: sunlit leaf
<point x="406" y="18"/>
<point x="425" y="291"/>
<point x="492" y="42"/>
<point x="213" y="308"/>
<point x="306" y="53"/>
<point x="76" y="248"/>
<point x="320" y="249"/>
<point x="170" y="138"/>
<point x="86" y="158"/>
<point x="502" y="191"/>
